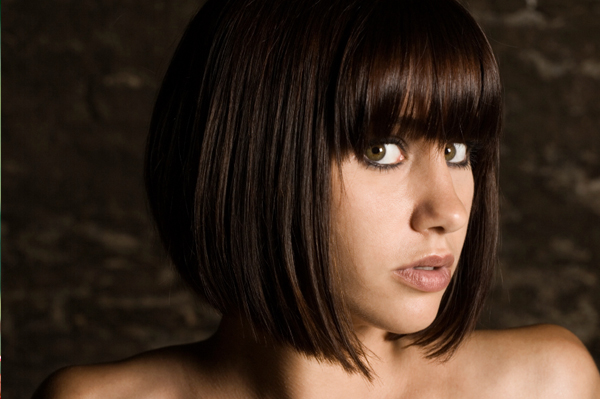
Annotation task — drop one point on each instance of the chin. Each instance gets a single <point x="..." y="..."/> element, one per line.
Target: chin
<point x="410" y="325"/>
<point x="409" y="316"/>
<point x="417" y="326"/>
<point x="419" y="316"/>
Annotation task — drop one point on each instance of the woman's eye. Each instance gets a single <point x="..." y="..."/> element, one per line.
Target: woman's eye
<point x="384" y="154"/>
<point x="455" y="153"/>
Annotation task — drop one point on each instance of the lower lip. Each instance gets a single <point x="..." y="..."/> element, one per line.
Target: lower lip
<point x="425" y="280"/>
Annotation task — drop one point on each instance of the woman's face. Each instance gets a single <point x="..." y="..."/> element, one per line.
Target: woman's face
<point x="400" y="217"/>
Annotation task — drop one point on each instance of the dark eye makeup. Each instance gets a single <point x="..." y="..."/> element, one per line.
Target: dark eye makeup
<point x="391" y="152"/>
<point x="386" y="154"/>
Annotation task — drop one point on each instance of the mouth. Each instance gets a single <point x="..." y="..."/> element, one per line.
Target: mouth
<point x="429" y="274"/>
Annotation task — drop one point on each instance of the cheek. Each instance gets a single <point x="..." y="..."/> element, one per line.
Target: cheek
<point x="370" y="227"/>
<point x="368" y="221"/>
<point x="371" y="224"/>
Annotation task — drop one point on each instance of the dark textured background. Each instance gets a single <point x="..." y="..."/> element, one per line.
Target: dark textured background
<point x="84" y="278"/>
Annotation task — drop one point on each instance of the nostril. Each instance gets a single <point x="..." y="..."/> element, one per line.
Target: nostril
<point x="442" y="214"/>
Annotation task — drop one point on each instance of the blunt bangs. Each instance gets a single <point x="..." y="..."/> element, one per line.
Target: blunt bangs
<point x="259" y="99"/>
<point x="419" y="69"/>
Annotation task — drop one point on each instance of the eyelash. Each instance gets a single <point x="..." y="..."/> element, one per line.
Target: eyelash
<point x="382" y="168"/>
<point x="472" y="148"/>
<point x="466" y="164"/>
<point x="385" y="167"/>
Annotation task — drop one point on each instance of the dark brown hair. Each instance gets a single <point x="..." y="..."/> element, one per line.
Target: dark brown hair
<point x="262" y="97"/>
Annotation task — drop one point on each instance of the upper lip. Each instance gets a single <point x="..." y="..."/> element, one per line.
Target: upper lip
<point x="444" y="260"/>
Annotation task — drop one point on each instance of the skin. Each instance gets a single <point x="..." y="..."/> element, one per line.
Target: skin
<point x="389" y="218"/>
<point x="383" y="219"/>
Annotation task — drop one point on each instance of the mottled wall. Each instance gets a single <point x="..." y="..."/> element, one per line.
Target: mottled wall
<point x="549" y="55"/>
<point x="84" y="278"/>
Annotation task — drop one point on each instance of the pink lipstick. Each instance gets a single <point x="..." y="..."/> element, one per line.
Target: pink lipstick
<point x="430" y="274"/>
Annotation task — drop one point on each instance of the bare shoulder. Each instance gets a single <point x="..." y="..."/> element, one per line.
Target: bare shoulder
<point x="543" y="361"/>
<point x="163" y="373"/>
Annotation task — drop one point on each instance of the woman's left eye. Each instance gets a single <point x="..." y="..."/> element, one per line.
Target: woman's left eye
<point x="456" y="153"/>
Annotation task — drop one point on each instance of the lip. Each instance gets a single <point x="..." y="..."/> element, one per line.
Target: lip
<point x="427" y="280"/>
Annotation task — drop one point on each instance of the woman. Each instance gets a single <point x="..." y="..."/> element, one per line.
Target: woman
<point x="324" y="174"/>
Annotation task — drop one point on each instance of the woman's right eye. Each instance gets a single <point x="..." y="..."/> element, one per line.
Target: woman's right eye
<point x="384" y="154"/>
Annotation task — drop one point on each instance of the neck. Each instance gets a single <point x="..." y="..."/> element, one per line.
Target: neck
<point x="267" y="370"/>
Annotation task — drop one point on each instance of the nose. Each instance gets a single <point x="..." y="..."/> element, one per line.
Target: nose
<point x="443" y="198"/>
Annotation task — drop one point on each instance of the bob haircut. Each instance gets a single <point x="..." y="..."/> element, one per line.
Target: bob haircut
<point x="261" y="100"/>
